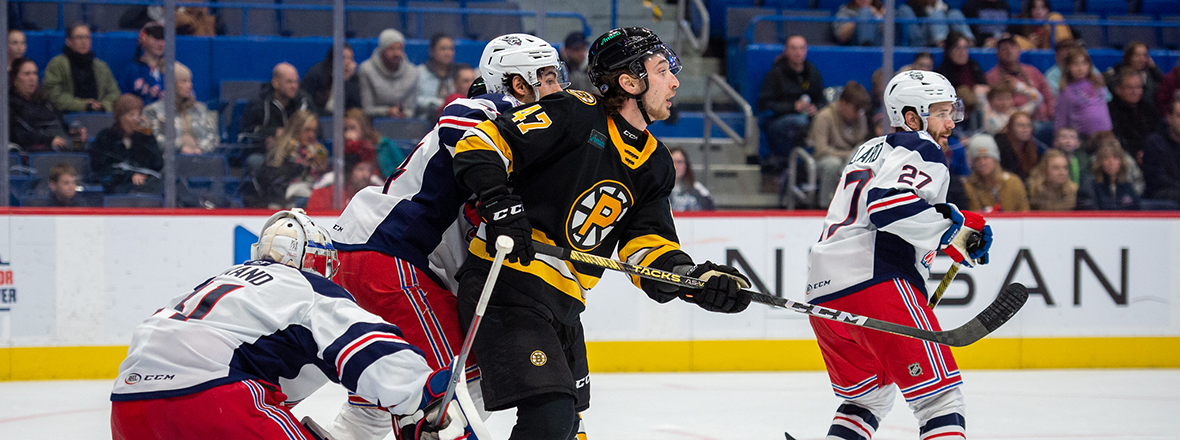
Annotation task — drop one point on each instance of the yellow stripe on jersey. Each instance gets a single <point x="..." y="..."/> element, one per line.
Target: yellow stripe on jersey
<point x="631" y="157"/>
<point x="656" y="246"/>
<point x="486" y="137"/>
<point x="543" y="267"/>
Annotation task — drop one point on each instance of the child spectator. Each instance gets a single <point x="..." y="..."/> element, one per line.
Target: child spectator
<point x="688" y="194"/>
<point x="1069" y="144"/>
<point x="18" y="43"/>
<point x="293" y="164"/>
<point x="144" y="77"/>
<point x="851" y="33"/>
<point x="1082" y="101"/>
<point x="990" y="188"/>
<point x="63" y="185"/>
<point x="1001" y="104"/>
<point x="196" y="126"/>
<point x="1019" y="150"/>
<point x="1049" y="185"/>
<point x="1041" y="36"/>
<point x="1109" y="190"/>
<point x="124" y="158"/>
<point x="462" y="76"/>
<point x="434" y="82"/>
<point x="364" y="141"/>
<point x="33" y="122"/>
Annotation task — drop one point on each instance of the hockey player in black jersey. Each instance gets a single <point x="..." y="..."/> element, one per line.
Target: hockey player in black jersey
<point x="582" y="172"/>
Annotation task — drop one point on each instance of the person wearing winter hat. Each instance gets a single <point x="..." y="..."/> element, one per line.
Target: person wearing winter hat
<point x="389" y="82"/>
<point x="990" y="188"/>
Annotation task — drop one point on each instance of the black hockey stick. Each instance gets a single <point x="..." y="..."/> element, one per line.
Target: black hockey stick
<point x="1010" y="300"/>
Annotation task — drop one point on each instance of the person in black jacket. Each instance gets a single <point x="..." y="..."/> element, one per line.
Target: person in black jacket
<point x="318" y="82"/>
<point x="1161" y="159"/>
<point x="1132" y="118"/>
<point x="124" y="158"/>
<point x="793" y="92"/>
<point x="33" y="122"/>
<point x="276" y="102"/>
<point x="957" y="65"/>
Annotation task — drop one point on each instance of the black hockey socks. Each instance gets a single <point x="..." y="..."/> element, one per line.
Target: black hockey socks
<point x="546" y="417"/>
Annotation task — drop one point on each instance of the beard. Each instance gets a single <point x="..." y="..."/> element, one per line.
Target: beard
<point x="657" y="110"/>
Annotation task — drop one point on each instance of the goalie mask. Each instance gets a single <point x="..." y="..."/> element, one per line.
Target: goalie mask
<point x="291" y="238"/>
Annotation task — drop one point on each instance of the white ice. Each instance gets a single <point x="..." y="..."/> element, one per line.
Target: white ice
<point x="1024" y="404"/>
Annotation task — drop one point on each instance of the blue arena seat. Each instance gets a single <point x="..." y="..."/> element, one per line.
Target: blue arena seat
<point x="44" y="162"/>
<point x="94" y="122"/>
<point x="1091" y="35"/>
<point x="1159" y="8"/>
<point x="1119" y="36"/>
<point x="369" y="24"/>
<point x="132" y="201"/>
<point x="738" y="21"/>
<point x="1106" y="7"/>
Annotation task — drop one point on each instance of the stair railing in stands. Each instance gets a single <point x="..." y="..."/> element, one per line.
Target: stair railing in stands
<point x="748" y="142"/>
<point x="698" y="42"/>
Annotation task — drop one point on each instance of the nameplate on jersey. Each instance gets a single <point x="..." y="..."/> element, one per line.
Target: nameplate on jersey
<point x="595" y="213"/>
<point x="868" y="153"/>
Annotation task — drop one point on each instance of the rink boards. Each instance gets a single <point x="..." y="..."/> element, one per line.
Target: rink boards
<point x="72" y="288"/>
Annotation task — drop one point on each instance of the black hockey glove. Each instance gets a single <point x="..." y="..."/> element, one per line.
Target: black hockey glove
<point x="503" y="214"/>
<point x="723" y="291"/>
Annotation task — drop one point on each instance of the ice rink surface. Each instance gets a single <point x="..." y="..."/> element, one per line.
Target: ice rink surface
<point x="1024" y="404"/>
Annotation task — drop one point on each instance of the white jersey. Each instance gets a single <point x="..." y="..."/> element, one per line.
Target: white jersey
<point x="881" y="224"/>
<point x="418" y="215"/>
<point x="273" y="323"/>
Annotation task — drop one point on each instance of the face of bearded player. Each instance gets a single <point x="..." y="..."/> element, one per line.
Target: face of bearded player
<point x="662" y="85"/>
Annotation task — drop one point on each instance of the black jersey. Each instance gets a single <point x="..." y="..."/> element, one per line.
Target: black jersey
<point x="589" y="182"/>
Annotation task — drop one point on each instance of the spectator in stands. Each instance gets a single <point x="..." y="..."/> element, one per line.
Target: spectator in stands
<point x="434" y="80"/>
<point x="318" y="82"/>
<point x="33" y="122"/>
<point x="1169" y="90"/>
<point x="369" y="145"/>
<point x="1109" y="189"/>
<point x="1136" y="57"/>
<point x="1027" y="80"/>
<point x="144" y="77"/>
<point x="1161" y="159"/>
<point x="1081" y="104"/>
<point x="859" y="34"/>
<point x="688" y="194"/>
<point x="1049" y="186"/>
<point x="1042" y="36"/>
<point x="574" y="55"/>
<point x="990" y="188"/>
<point x="196" y="126"/>
<point x="792" y="91"/>
<point x="389" y="82"/>
<point x="837" y="131"/>
<point x="462" y="76"/>
<point x="931" y="34"/>
<point x="1131" y="171"/>
<point x="18" y="43"/>
<point x="360" y="175"/>
<point x="1067" y="141"/>
<point x="1132" y="118"/>
<point x="958" y="67"/>
<point x="124" y="158"/>
<point x="276" y="102"/>
<point x="293" y="164"/>
<point x="63" y="185"/>
<point x="1020" y="152"/>
<point x="999" y="106"/>
<point x="987" y="34"/>
<point x="77" y="81"/>
<point x="922" y="61"/>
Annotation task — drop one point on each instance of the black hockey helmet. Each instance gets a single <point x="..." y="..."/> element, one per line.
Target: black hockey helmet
<point x="478" y="87"/>
<point x="626" y="48"/>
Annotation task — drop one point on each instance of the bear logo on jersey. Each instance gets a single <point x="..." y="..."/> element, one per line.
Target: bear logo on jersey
<point x="594" y="214"/>
<point x="538" y="358"/>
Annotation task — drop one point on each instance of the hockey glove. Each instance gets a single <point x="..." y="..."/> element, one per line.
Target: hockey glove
<point x="503" y="214"/>
<point x="461" y="422"/>
<point x="968" y="239"/>
<point x="723" y="291"/>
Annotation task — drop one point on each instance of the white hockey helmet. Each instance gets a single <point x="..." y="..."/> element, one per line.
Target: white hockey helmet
<point x="519" y="54"/>
<point x="291" y="238"/>
<point x="918" y="89"/>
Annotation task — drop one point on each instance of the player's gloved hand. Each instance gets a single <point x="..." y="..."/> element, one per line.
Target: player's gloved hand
<point x="503" y="214"/>
<point x="723" y="291"/>
<point x="455" y="424"/>
<point x="968" y="239"/>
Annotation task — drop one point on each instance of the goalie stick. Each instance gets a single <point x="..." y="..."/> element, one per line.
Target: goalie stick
<point x="1010" y="300"/>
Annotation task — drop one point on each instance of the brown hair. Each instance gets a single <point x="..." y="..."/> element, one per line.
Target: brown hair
<point x="1000" y="87"/>
<point x="1072" y="55"/>
<point x="689" y="177"/>
<point x="126" y="103"/>
<point x="1109" y="149"/>
<point x="615" y="96"/>
<point x="368" y="133"/>
<point x="288" y="143"/>
<point x="1037" y="179"/>
<point x="1129" y="51"/>
<point x="855" y="94"/>
<point x="61" y="169"/>
<point x="1026" y="152"/>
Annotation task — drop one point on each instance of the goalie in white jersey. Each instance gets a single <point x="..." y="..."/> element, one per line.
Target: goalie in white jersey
<point x="229" y="359"/>
<point x="888" y="217"/>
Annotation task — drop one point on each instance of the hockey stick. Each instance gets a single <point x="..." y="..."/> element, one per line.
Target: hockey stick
<point x="946" y="282"/>
<point x="1010" y="300"/>
<point x="504" y="244"/>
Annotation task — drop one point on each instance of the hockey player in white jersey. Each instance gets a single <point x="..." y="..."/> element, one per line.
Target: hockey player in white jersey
<point x="888" y="217"/>
<point x="402" y="243"/>
<point x="229" y="359"/>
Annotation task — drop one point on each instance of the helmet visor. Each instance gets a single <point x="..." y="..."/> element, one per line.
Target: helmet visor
<point x="321" y="258"/>
<point x="639" y="65"/>
<point x="563" y="75"/>
<point x="954" y="112"/>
